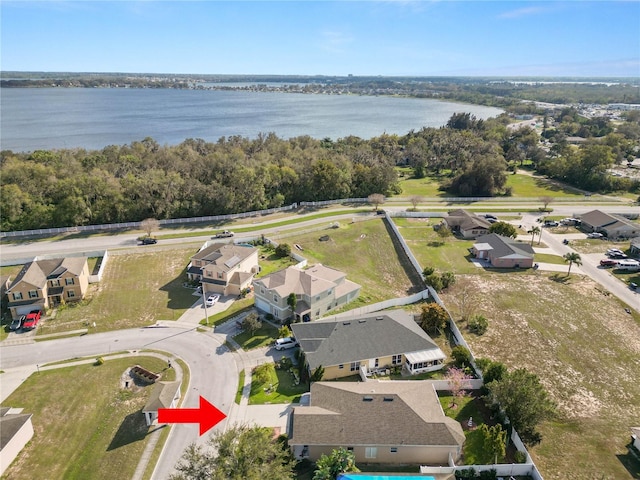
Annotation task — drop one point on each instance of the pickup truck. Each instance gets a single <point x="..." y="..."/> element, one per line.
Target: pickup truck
<point x="223" y="234"/>
<point x="32" y="320"/>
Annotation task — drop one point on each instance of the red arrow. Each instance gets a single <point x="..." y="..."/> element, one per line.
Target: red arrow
<point x="207" y="415"/>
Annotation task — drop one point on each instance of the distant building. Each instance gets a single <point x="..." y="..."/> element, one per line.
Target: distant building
<point x="613" y="226"/>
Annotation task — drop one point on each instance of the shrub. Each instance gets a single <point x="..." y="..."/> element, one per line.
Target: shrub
<point x="520" y="457"/>
<point x="99" y="361"/>
<point x="461" y="356"/>
<point x="489" y="474"/>
<point x="478" y="325"/>
<point x="283" y="250"/>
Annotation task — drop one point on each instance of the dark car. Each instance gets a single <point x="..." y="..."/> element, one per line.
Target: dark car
<point x="149" y="241"/>
<point x="17" y="323"/>
<point x="32" y="320"/>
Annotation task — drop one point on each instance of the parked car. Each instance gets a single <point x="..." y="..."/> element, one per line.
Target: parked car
<point x="565" y="241"/>
<point x="551" y="223"/>
<point x="17" y="323"/>
<point x="608" y="263"/>
<point x="211" y="300"/>
<point x="595" y="235"/>
<point x="32" y="319"/>
<point x="488" y="216"/>
<point x="633" y="286"/>
<point x="614" y="251"/>
<point x="284" y="343"/>
<point x="224" y="234"/>
<point x="618" y="256"/>
<point x="148" y="241"/>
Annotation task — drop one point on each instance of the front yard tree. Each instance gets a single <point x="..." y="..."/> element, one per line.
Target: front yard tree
<point x="339" y="461"/>
<point x="240" y="453"/>
<point x="494" y="441"/>
<point x="415" y="200"/>
<point x="149" y="225"/>
<point x="535" y="230"/>
<point x="433" y="318"/>
<point x="252" y="323"/>
<point x="376" y="199"/>
<point x="503" y="228"/>
<point x="571" y="258"/>
<point x="525" y="401"/>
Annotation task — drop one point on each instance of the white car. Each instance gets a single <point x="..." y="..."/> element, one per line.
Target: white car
<point x="211" y="300"/>
<point x="595" y="235"/>
<point x="284" y="343"/>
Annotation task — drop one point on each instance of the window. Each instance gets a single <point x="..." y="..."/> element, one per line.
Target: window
<point x="275" y="298"/>
<point x="71" y="294"/>
<point x="396" y="360"/>
<point x="394" y="450"/>
<point x="33" y="294"/>
<point x="367" y="398"/>
<point x="68" y="281"/>
<point x="376" y="363"/>
<point x="262" y="290"/>
<point x="370" y="452"/>
<point x="17" y="296"/>
<point x="55" y="283"/>
<point x="355" y="366"/>
<point x="209" y="273"/>
<point x="349" y="449"/>
<point x="219" y="274"/>
<point x="341" y="366"/>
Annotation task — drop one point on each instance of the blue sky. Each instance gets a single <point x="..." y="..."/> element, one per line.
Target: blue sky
<point x="499" y="38"/>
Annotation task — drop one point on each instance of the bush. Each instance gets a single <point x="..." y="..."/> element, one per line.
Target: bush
<point x="461" y="356"/>
<point x="99" y="361"/>
<point x="478" y="325"/>
<point x="520" y="457"/>
<point x="465" y="473"/>
<point x="283" y="250"/>
<point x="489" y="474"/>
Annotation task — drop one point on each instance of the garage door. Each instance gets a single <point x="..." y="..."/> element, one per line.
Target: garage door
<point x="25" y="309"/>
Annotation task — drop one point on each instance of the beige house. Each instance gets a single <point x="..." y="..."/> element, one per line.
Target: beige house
<point x="318" y="290"/>
<point x="16" y="430"/>
<point x="368" y="343"/>
<point x="43" y="284"/>
<point x="391" y="422"/>
<point x="613" y="226"/>
<point x="164" y="395"/>
<point x="224" y="268"/>
<point x="466" y="224"/>
<point x="503" y="252"/>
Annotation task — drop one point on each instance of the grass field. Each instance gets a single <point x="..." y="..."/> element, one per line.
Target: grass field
<point x="279" y="389"/>
<point x="262" y="337"/>
<point x="528" y="186"/>
<point x="586" y="350"/>
<point x="595" y="245"/>
<point x="86" y="426"/>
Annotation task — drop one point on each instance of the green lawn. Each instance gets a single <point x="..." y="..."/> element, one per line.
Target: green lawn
<point x="85" y="425"/>
<point x="262" y="337"/>
<point x="425" y="187"/>
<point x="549" y="258"/>
<point x="279" y="389"/>
<point x="240" y="387"/>
<point x="528" y="186"/>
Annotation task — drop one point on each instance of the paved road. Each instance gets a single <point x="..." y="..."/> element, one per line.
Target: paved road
<point x="213" y="374"/>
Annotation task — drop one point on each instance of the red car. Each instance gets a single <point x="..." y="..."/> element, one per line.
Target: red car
<point x="32" y="320"/>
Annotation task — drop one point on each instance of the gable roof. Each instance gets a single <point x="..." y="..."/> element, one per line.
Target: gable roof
<point x="599" y="219"/>
<point x="310" y="282"/>
<point x="361" y="337"/>
<point x="465" y="220"/>
<point x="162" y="396"/>
<point x="504" y="247"/>
<point x="374" y="413"/>
<point x="10" y="424"/>
<point x="37" y="273"/>
<point x="223" y="256"/>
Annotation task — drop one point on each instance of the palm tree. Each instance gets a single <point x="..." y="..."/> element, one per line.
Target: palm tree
<point x="571" y="258"/>
<point x="535" y="230"/>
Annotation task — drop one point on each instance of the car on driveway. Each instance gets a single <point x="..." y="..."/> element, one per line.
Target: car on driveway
<point x="286" y="342"/>
<point x="551" y="223"/>
<point x="211" y="300"/>
<point x="32" y="319"/>
<point x="17" y="323"/>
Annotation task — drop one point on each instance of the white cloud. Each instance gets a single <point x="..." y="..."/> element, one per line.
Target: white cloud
<point x="335" y="41"/>
<point x="523" y="12"/>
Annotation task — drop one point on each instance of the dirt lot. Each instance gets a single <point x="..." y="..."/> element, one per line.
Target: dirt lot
<point x="586" y="350"/>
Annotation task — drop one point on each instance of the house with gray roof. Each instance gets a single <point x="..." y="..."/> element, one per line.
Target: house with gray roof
<point x="391" y="422"/>
<point x="164" y="395"/>
<point x="16" y="430"/>
<point x="466" y="224"/>
<point x="318" y="290"/>
<point x="224" y="268"/>
<point x="503" y="252"/>
<point x="43" y="284"/>
<point x="370" y="342"/>
<point x="613" y="226"/>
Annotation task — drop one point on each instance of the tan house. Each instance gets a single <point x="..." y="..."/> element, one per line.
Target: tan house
<point x="613" y="226"/>
<point x="16" y="430"/>
<point x="318" y="290"/>
<point x="224" y="268"/>
<point x="503" y="252"/>
<point x="466" y="224"/>
<point x="391" y="422"/>
<point x="164" y="395"/>
<point x="43" y="284"/>
<point x="368" y="343"/>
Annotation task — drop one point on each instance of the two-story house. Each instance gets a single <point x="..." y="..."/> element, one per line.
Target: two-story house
<point x="224" y="268"/>
<point x="46" y="283"/>
<point x="318" y="290"/>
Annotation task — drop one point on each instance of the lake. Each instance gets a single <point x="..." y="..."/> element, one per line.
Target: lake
<point x="92" y="118"/>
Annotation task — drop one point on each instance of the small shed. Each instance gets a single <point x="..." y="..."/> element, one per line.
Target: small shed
<point x="164" y="395"/>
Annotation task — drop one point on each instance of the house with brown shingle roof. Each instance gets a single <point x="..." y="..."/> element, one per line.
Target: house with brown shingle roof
<point x="224" y="268"/>
<point x="42" y="284"/>
<point x="466" y="224"/>
<point x="613" y="226"/>
<point x="391" y="422"/>
<point x="318" y="290"/>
